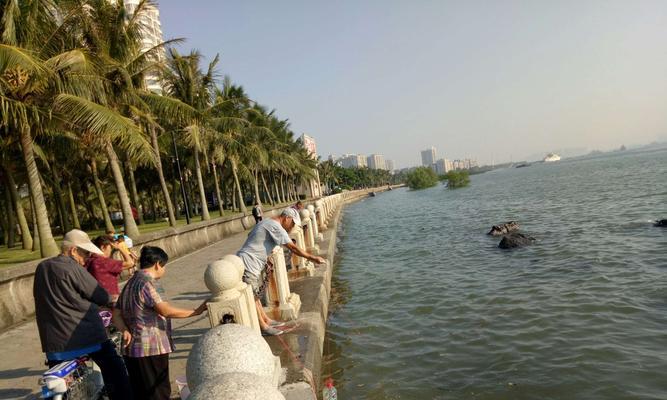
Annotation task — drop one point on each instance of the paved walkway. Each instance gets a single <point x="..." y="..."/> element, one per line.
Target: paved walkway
<point x="21" y="359"/>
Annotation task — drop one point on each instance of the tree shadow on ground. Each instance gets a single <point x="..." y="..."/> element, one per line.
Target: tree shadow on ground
<point x="184" y="339"/>
<point x="19" y="373"/>
<point x="192" y="296"/>
<point x="17" y="394"/>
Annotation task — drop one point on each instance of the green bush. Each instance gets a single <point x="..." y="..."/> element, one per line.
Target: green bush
<point x="457" y="179"/>
<point x="421" y="178"/>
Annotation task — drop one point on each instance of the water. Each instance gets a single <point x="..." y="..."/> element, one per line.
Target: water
<point x="425" y="306"/>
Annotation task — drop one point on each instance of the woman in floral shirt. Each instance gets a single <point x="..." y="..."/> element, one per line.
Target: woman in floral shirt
<point x="147" y="316"/>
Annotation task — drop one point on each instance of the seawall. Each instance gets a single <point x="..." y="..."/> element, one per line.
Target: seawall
<point x="301" y="350"/>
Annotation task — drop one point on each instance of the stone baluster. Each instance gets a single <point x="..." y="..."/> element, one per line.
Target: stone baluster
<point x="319" y="213"/>
<point x="279" y="293"/>
<point x="230" y="294"/>
<point x="307" y="223"/>
<point x="313" y="219"/>
<point x="303" y="266"/>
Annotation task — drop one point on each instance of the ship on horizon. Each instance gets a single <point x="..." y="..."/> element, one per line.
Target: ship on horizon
<point x="551" y="157"/>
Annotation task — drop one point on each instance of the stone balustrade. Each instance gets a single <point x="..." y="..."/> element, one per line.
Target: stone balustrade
<point x="231" y="296"/>
<point x="313" y="217"/>
<point x="281" y="298"/>
<point x="307" y="224"/>
<point x="302" y="266"/>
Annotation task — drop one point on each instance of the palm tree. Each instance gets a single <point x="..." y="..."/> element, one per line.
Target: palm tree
<point x="184" y="80"/>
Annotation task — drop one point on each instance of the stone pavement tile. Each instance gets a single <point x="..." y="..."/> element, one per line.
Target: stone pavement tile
<point x="22" y="360"/>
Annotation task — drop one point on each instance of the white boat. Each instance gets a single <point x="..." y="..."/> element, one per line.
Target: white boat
<point x="551" y="157"/>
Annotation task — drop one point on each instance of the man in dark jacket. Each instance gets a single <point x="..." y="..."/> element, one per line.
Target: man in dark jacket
<point x="66" y="306"/>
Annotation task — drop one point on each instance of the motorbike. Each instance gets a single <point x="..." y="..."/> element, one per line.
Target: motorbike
<point x="81" y="378"/>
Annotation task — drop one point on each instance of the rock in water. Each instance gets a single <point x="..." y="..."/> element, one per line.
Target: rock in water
<point x="504" y="229"/>
<point x="515" y="239"/>
<point x="661" y="222"/>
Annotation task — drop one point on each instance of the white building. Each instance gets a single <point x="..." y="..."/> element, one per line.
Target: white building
<point x="389" y="165"/>
<point x="375" y="161"/>
<point x="312" y="188"/>
<point x="310" y="145"/>
<point x="428" y="157"/>
<point x="442" y="166"/>
<point x="352" y="161"/>
<point x="151" y="36"/>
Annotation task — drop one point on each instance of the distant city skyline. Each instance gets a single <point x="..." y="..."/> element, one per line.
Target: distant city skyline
<point x="494" y="81"/>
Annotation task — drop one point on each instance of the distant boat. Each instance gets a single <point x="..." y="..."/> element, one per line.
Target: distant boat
<point x="551" y="157"/>
<point x="521" y="165"/>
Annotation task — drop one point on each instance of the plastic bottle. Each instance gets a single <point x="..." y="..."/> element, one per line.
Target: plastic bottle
<point x="329" y="391"/>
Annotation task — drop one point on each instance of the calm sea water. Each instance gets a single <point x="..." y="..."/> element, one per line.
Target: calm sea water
<point x="426" y="306"/>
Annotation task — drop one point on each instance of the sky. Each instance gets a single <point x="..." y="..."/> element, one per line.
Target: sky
<point x="491" y="80"/>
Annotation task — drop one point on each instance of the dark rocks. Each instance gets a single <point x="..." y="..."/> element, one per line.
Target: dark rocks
<point x="503" y="229"/>
<point x="515" y="239"/>
<point x="661" y="222"/>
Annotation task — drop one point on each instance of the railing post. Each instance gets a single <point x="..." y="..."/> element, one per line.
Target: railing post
<point x="231" y="296"/>
<point x="279" y="293"/>
<point x="303" y="265"/>
<point x="313" y="219"/>
<point x="309" y="235"/>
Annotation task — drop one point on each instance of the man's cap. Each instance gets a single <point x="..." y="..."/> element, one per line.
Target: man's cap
<point x="292" y="213"/>
<point x="80" y="239"/>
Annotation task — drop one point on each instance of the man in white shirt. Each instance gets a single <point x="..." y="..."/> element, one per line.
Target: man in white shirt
<point x="262" y="239"/>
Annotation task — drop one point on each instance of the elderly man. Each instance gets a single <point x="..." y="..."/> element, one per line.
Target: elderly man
<point x="66" y="305"/>
<point x="263" y="238"/>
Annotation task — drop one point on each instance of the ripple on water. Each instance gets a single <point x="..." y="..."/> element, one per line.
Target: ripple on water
<point x="430" y="308"/>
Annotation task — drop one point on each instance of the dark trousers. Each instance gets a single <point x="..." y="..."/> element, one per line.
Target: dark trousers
<point x="115" y="377"/>
<point x="149" y="377"/>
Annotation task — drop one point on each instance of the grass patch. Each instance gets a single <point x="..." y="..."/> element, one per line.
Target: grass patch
<point x="17" y="255"/>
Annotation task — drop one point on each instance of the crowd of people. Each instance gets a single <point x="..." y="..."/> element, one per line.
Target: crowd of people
<point x="72" y="288"/>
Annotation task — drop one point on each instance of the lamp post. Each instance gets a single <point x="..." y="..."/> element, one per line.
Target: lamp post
<point x="180" y="178"/>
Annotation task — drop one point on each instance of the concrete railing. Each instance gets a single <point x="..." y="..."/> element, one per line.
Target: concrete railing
<point x="215" y="362"/>
<point x="16" y="299"/>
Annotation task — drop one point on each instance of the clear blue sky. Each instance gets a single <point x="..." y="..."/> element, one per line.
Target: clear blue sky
<point x="491" y="80"/>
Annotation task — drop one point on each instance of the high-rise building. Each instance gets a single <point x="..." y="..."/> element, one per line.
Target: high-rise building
<point x="352" y="161"/>
<point x="389" y="165"/>
<point x="442" y="166"/>
<point x="309" y="144"/>
<point x="375" y="161"/>
<point x="151" y="36"/>
<point x="428" y="157"/>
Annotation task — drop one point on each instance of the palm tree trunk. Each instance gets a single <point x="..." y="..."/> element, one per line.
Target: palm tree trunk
<point x="108" y="225"/>
<point x="217" y="188"/>
<point x="26" y="238"/>
<point x="72" y="206"/>
<point x="35" y="231"/>
<point x="163" y="183"/>
<point x="89" y="207"/>
<point x="47" y="244"/>
<point x="267" y="191"/>
<point x="202" y="193"/>
<point x="176" y="192"/>
<point x="276" y="190"/>
<point x="131" y="229"/>
<point x="11" y="221"/>
<point x="255" y="184"/>
<point x="238" y="187"/>
<point x="282" y="188"/>
<point x="133" y="193"/>
<point x="58" y="197"/>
